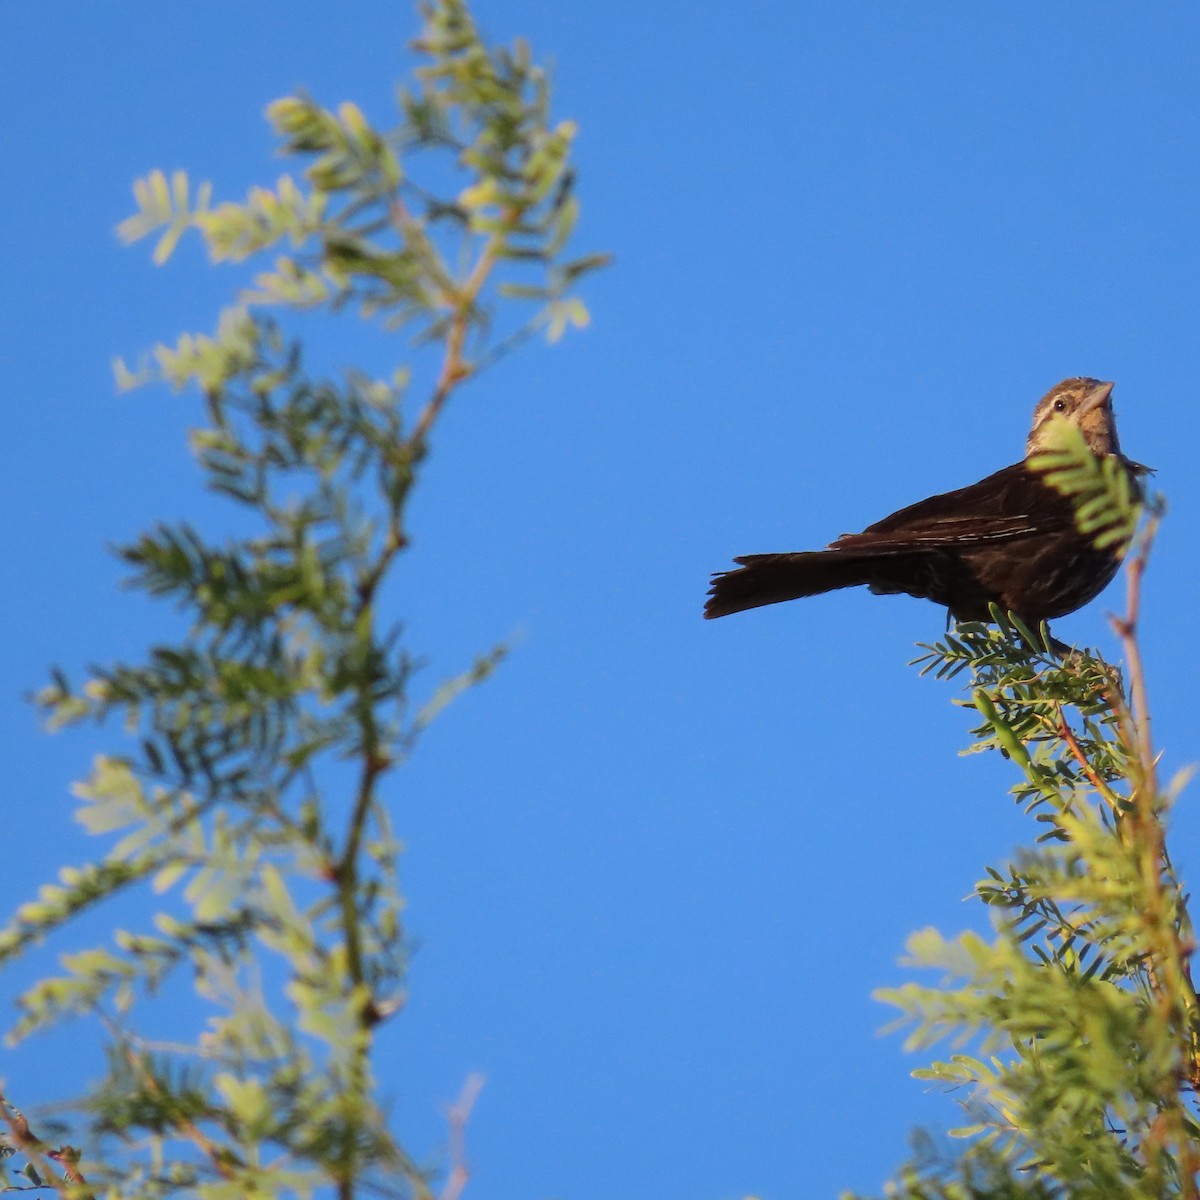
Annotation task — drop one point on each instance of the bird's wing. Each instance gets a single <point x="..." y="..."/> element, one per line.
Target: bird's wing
<point x="1007" y="505"/>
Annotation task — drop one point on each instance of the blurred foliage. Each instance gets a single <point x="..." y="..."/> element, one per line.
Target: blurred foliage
<point x="246" y="797"/>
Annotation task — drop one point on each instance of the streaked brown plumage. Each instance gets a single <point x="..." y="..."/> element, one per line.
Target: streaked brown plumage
<point x="1009" y="539"/>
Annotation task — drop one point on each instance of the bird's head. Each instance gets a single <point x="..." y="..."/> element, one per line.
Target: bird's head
<point x="1087" y="404"/>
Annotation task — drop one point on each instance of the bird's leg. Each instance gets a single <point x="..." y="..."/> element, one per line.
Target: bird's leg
<point x="1057" y="648"/>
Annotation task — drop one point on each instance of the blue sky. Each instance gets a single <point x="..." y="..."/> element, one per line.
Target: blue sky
<point x="657" y="865"/>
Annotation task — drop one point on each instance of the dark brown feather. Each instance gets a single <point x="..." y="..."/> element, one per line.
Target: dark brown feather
<point x="1009" y="539"/>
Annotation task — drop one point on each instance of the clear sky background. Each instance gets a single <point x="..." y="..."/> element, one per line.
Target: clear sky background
<point x="657" y="865"/>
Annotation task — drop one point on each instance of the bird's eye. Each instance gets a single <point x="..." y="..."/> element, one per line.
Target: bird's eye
<point x="1060" y="406"/>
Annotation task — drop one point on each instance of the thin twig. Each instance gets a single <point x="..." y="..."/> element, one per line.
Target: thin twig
<point x="42" y="1156"/>
<point x="457" y="1117"/>
<point x="1126" y="629"/>
<point x="1170" y="975"/>
<point x="461" y="302"/>
<point x="1064" y="731"/>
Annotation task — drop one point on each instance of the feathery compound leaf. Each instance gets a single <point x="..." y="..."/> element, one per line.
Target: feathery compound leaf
<point x="1107" y="504"/>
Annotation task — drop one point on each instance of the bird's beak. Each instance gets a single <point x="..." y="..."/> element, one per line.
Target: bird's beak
<point x="1095" y="398"/>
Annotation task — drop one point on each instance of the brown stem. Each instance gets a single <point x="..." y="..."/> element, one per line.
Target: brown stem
<point x="1067" y="734"/>
<point x="457" y="1117"/>
<point x="461" y="301"/>
<point x="42" y="1156"/>
<point x="1169" y="972"/>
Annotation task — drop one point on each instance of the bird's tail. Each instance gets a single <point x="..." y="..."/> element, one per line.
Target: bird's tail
<point x="771" y="578"/>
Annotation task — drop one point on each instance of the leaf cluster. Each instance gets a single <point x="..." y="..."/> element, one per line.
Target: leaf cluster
<point x="368" y="224"/>
<point x="1075" y="1025"/>
<point x="246" y="801"/>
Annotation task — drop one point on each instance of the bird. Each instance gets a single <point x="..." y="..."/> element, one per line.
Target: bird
<point x="1009" y="540"/>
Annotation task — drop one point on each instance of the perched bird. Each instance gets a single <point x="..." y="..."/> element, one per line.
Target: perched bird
<point x="1010" y="539"/>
